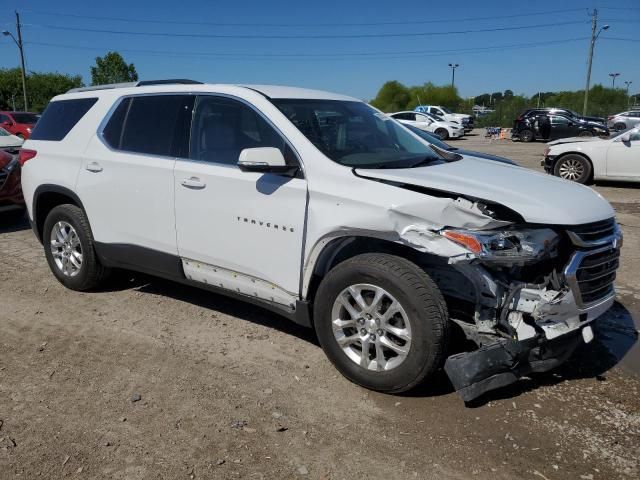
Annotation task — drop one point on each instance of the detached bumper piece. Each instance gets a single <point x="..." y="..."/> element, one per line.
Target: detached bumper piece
<point x="505" y="362"/>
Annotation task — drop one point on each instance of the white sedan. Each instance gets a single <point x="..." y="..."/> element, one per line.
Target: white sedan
<point x="425" y="121"/>
<point x="9" y="142"/>
<point x="583" y="160"/>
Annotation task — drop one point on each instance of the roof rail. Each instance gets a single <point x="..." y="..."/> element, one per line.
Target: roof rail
<point x="143" y="83"/>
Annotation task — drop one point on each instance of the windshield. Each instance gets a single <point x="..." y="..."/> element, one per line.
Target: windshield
<point x="445" y="110"/>
<point x="25" y="117"/>
<point x="355" y="135"/>
<point x="430" y="137"/>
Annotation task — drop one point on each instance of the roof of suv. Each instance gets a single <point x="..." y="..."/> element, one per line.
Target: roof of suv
<point x="271" y="91"/>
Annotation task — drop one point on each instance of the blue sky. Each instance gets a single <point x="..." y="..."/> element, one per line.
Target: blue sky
<point x="376" y="38"/>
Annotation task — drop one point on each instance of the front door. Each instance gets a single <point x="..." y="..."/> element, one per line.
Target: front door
<point x="238" y="230"/>
<point x="560" y="127"/>
<point x="623" y="158"/>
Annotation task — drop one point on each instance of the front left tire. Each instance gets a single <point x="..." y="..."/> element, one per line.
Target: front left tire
<point x="573" y="167"/>
<point x="69" y="249"/>
<point x="442" y="133"/>
<point x="382" y="322"/>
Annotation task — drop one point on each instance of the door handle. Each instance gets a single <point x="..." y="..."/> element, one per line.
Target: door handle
<point x="93" y="167"/>
<point x="194" y="183"/>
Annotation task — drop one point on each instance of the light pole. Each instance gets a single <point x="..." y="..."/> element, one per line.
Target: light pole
<point x="627" y="83"/>
<point x="594" y="37"/>
<point x="613" y="79"/>
<point x="453" y="73"/>
<point x="18" y="42"/>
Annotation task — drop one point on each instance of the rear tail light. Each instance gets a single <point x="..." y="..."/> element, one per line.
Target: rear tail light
<point x="26" y="155"/>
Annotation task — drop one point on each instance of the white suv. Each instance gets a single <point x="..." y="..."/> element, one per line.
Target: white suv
<point x="323" y="209"/>
<point x="425" y="121"/>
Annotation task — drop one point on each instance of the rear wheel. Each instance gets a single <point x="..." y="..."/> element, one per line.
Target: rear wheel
<point x="382" y="322"/>
<point x="620" y="126"/>
<point x="68" y="247"/>
<point x="527" y="135"/>
<point x="573" y="167"/>
<point x="442" y="133"/>
<point x="585" y="133"/>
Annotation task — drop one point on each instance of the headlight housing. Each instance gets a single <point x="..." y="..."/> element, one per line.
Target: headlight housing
<point x="514" y="246"/>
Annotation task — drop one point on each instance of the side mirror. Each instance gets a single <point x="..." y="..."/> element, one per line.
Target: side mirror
<point x="626" y="137"/>
<point x="265" y="160"/>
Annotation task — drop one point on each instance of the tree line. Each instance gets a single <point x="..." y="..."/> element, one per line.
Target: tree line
<point x="43" y="86"/>
<point x="393" y="96"/>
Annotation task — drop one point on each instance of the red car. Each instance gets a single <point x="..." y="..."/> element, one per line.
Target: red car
<point x="11" y="199"/>
<point x="18" y="123"/>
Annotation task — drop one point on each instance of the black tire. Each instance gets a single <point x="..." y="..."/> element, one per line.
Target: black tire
<point x="442" y="133"/>
<point x="421" y="300"/>
<point x="620" y="126"/>
<point x="526" y="135"/>
<point x="581" y="167"/>
<point x="586" y="133"/>
<point x="91" y="273"/>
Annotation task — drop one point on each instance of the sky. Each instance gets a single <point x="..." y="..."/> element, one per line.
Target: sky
<point x="350" y="47"/>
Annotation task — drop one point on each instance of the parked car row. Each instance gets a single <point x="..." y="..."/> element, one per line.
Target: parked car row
<point x="624" y="120"/>
<point x="444" y="129"/>
<point x="11" y="199"/>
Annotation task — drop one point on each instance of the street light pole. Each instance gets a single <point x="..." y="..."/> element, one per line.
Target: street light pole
<point x="594" y="37"/>
<point x="627" y="83"/>
<point x="453" y="73"/>
<point x="18" y="42"/>
<point x="613" y="79"/>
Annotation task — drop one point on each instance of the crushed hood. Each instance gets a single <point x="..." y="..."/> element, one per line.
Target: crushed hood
<point x="537" y="197"/>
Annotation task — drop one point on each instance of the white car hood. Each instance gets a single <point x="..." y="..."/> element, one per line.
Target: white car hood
<point x="537" y="197"/>
<point x="10" y="141"/>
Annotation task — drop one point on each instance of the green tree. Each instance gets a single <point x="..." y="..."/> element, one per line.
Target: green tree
<point x="41" y="87"/>
<point x="392" y="97"/>
<point x="112" y="69"/>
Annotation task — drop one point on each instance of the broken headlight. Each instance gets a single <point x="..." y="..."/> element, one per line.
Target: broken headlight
<point x="506" y="246"/>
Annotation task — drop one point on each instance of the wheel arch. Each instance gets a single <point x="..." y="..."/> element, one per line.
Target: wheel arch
<point x="45" y="198"/>
<point x="336" y="248"/>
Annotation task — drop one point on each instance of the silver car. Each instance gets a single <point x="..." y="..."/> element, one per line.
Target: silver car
<point x="624" y="120"/>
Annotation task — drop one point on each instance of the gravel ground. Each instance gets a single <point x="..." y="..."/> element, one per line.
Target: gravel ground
<point x="150" y="379"/>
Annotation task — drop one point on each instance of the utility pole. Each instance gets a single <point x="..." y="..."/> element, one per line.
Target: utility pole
<point x="592" y="44"/>
<point x="24" y="70"/>
<point x="453" y="73"/>
<point x="20" y="46"/>
<point x="613" y="79"/>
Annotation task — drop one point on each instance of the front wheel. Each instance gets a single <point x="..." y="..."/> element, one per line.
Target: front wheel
<point x="620" y="126"/>
<point x="382" y="322"/>
<point x="442" y="133"/>
<point x="573" y="167"/>
<point x="68" y="247"/>
<point x="586" y="133"/>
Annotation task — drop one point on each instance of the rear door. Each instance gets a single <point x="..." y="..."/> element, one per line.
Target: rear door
<point x="126" y="180"/>
<point x="238" y="230"/>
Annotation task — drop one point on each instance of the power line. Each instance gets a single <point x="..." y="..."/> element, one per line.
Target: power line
<point x="261" y="36"/>
<point x="337" y="24"/>
<point x="622" y="39"/>
<point x="321" y="56"/>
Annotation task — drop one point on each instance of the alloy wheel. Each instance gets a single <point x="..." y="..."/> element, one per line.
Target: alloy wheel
<point x="371" y="327"/>
<point x="66" y="249"/>
<point x="571" y="169"/>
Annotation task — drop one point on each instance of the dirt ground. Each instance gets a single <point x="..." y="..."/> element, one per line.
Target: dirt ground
<point x="150" y="379"/>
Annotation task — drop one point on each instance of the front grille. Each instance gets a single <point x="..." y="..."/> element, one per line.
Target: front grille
<point x="591" y="234"/>
<point x="596" y="273"/>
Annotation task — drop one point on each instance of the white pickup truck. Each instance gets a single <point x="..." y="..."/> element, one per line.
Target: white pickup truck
<point x="463" y="119"/>
<point x="327" y="211"/>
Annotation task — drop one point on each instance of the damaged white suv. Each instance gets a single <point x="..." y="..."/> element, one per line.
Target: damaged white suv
<point x="325" y="210"/>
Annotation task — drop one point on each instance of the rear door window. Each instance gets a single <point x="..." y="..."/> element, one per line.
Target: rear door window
<point x="147" y="124"/>
<point x="60" y="117"/>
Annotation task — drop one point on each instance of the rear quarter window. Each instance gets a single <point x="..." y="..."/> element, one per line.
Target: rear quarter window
<point x="60" y="117"/>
